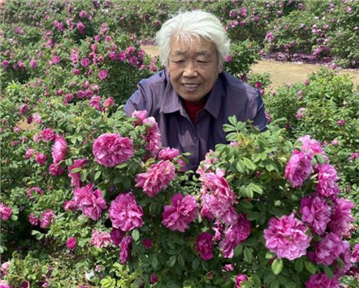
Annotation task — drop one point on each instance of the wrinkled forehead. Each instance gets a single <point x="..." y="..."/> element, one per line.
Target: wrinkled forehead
<point x="196" y="45"/>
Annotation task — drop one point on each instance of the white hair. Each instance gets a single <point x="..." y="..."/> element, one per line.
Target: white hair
<point x="186" y="25"/>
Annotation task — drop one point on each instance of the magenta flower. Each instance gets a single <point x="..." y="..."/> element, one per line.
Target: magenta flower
<point x="59" y="149"/>
<point x="327" y="178"/>
<point x="240" y="278"/>
<point x="56" y="59"/>
<point x="153" y="136"/>
<point x="33" y="220"/>
<point x="40" y="158"/>
<point x="299" y="114"/>
<point x="76" y="176"/>
<point x="341" y="216"/>
<point x="204" y="245"/>
<point x="70" y="205"/>
<point x="148" y="243"/>
<point x="316" y="213"/>
<point x="153" y="278"/>
<point x="95" y="102"/>
<point x="5" y="212"/>
<point x="29" y="153"/>
<point x="218" y="186"/>
<point x="298" y="168"/>
<point x="125" y="247"/>
<point x="81" y="27"/>
<point x="212" y="207"/>
<point x="182" y="212"/>
<point x="168" y="153"/>
<point x="90" y="202"/>
<point x="5" y="267"/>
<point x="24" y="109"/>
<point x="100" y="239"/>
<point x="71" y="243"/>
<point x="328" y="249"/>
<point x="234" y="235"/>
<point x="156" y="178"/>
<point x="5" y="64"/>
<point x="55" y="169"/>
<point x="85" y="62"/>
<point x="111" y="149"/>
<point x="116" y="236"/>
<point x="341" y="122"/>
<point x="47" y="218"/>
<point x="125" y="213"/>
<point x="36" y="118"/>
<point x="287" y="237"/>
<point x="321" y="280"/>
<point x="140" y="115"/>
<point x="103" y="74"/>
<point x="108" y="103"/>
<point x="310" y="146"/>
<point x="355" y="254"/>
<point x="83" y="14"/>
<point x="48" y="135"/>
<point x="354" y="156"/>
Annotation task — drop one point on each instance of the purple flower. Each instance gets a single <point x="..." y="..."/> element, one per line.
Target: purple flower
<point x="85" y="62"/>
<point x="298" y="168"/>
<point x="182" y="212"/>
<point x="47" y="218"/>
<point x="103" y="74"/>
<point x="316" y="212"/>
<point x="29" y="153"/>
<point x="33" y="220"/>
<point x="125" y="247"/>
<point x="327" y="178"/>
<point x="108" y="103"/>
<point x="5" y="267"/>
<point x="111" y="149"/>
<point x="71" y="243"/>
<point x="355" y="254"/>
<point x="168" y="153"/>
<point x="287" y="237"/>
<point x="117" y="236"/>
<point x="100" y="239"/>
<point x="56" y="59"/>
<point x="148" y="243"/>
<point x="153" y="278"/>
<point x="76" y="176"/>
<point x="321" y="280"/>
<point x="95" y="102"/>
<point x="33" y="64"/>
<point x="48" y="135"/>
<point x="81" y="27"/>
<point x="59" y="149"/>
<point x="5" y="212"/>
<point x="204" y="245"/>
<point x="240" y="278"/>
<point x="310" y="146"/>
<point x="125" y="213"/>
<point x="299" y="114"/>
<point x="328" y="249"/>
<point x="55" y="169"/>
<point x="5" y="64"/>
<point x="341" y="122"/>
<point x="90" y="202"/>
<point x="156" y="178"/>
<point x="83" y="14"/>
<point x="341" y="216"/>
<point x="235" y="235"/>
<point x="40" y="158"/>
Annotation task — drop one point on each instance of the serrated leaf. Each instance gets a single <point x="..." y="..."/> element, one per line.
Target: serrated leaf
<point x="195" y="263"/>
<point x="172" y="261"/>
<point x="328" y="272"/>
<point x="238" y="250"/>
<point x="277" y="266"/>
<point x="240" y="166"/>
<point x="228" y="128"/>
<point x="298" y="265"/>
<point x="154" y="262"/>
<point x="248" y="255"/>
<point x="269" y="255"/>
<point x="249" y="163"/>
<point x="97" y="175"/>
<point x="180" y="260"/>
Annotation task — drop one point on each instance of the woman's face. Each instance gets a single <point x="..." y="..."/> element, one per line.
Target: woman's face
<point x="193" y="67"/>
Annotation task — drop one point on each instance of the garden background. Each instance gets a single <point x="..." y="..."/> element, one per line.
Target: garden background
<point x="72" y="217"/>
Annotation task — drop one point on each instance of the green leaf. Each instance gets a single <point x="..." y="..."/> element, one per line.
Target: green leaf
<point x="98" y="174"/>
<point x="172" y="261"/>
<point x="277" y="266"/>
<point x="328" y="272"/>
<point x="249" y="163"/>
<point x="195" y="263"/>
<point x="248" y="255"/>
<point x="238" y="250"/>
<point x="228" y="128"/>
<point x="299" y="265"/>
<point x="275" y="283"/>
<point x="233" y="120"/>
<point x="246" y="205"/>
<point x="310" y="267"/>
<point x="256" y="188"/>
<point x="135" y="235"/>
<point x="180" y="260"/>
<point x="154" y="262"/>
<point x="240" y="166"/>
<point x="270" y="255"/>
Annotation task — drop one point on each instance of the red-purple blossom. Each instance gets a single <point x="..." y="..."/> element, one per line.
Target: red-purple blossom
<point x="316" y="213"/>
<point x="204" y="245"/>
<point x="117" y="236"/>
<point x="40" y="158"/>
<point x="71" y="243"/>
<point x="33" y="219"/>
<point x="125" y="247"/>
<point x="235" y="235"/>
<point x="108" y="103"/>
<point x="168" y="153"/>
<point x="341" y="216"/>
<point x="111" y="149"/>
<point x="76" y="176"/>
<point x="328" y="249"/>
<point x="327" y="181"/>
<point x="85" y="62"/>
<point x="48" y="135"/>
<point x="59" y="149"/>
<point x="240" y="278"/>
<point x="5" y="212"/>
<point x="103" y="74"/>
<point x="47" y="218"/>
<point x="310" y="146"/>
<point x="287" y="237"/>
<point x="55" y="169"/>
<point x="100" y="239"/>
<point x="90" y="201"/>
<point x="125" y="213"/>
<point x="182" y="212"/>
<point x="95" y="102"/>
<point x="321" y="280"/>
<point x="299" y="168"/>
<point x="140" y="115"/>
<point x="147" y="243"/>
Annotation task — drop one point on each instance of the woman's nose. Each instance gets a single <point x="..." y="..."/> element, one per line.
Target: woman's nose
<point x="190" y="70"/>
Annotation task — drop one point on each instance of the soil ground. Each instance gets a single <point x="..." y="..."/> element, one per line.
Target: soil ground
<point x="282" y="72"/>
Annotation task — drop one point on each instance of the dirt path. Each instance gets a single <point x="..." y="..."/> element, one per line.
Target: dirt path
<point x="282" y="72"/>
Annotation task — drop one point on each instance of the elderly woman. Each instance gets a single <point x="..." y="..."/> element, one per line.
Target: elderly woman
<point x="193" y="97"/>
